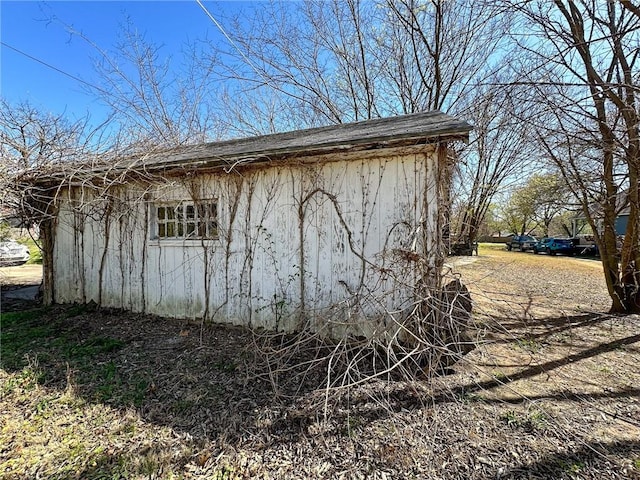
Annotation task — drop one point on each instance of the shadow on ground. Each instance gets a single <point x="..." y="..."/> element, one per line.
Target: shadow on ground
<point x="202" y="382"/>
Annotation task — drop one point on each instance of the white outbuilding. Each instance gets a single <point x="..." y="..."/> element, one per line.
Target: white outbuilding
<point x="335" y="229"/>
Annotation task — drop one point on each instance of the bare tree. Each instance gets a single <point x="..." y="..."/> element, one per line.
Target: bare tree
<point x="30" y="138"/>
<point x="154" y="101"/>
<point x="335" y="61"/>
<point x="34" y="145"/>
<point x="584" y="68"/>
<point x="319" y="62"/>
<point x="496" y="158"/>
<point x="449" y="49"/>
<point x="323" y="62"/>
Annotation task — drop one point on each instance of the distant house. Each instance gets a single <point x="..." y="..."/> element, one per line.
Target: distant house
<point x="580" y="224"/>
<point x="622" y="219"/>
<point x="331" y="227"/>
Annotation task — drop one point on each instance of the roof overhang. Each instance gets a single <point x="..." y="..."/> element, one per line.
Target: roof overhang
<point x="377" y="134"/>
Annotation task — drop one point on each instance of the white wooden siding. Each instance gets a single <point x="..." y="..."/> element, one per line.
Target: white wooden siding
<point x="257" y="272"/>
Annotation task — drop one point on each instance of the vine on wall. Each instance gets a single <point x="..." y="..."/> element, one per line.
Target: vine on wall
<point x="394" y="317"/>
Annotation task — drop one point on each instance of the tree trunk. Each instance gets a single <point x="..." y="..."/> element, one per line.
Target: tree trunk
<point x="47" y="239"/>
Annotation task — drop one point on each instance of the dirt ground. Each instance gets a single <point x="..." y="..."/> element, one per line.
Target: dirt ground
<point x="20" y="275"/>
<point x="551" y="391"/>
<point x="19" y="286"/>
<point x="550" y="343"/>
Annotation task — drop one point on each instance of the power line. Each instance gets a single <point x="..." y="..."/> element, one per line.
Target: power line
<point x="230" y="40"/>
<point x="52" y="67"/>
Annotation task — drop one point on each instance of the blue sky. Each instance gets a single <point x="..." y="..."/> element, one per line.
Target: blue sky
<point x="32" y="28"/>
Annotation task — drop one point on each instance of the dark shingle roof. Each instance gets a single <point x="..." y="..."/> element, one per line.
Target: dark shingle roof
<point x="418" y="128"/>
<point x="399" y="131"/>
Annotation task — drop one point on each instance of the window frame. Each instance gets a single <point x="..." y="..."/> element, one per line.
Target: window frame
<point x="184" y="221"/>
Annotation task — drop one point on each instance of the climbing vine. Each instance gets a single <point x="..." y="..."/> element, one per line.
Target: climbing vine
<point x="337" y="258"/>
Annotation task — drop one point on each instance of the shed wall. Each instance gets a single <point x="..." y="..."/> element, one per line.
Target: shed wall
<point x="323" y="243"/>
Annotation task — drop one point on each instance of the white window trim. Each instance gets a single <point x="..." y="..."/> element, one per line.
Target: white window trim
<point x="193" y="241"/>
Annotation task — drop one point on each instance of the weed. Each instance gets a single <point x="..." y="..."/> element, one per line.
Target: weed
<point x="43" y="405"/>
<point x="31" y="338"/>
<point x="106" y="380"/>
<point x="149" y="465"/>
<point x="128" y="428"/>
<point x="225" y="473"/>
<point x="529" y="345"/>
<point x="500" y="376"/>
<point x="537" y="419"/>
<point x="105" y="467"/>
<point x="534" y="420"/>
<point x="470" y="397"/>
<point x="91" y="347"/>
<point x="562" y="337"/>
<point x="25" y="381"/>
<point x="352" y="424"/>
<point x="10" y="319"/>
<point x="572" y="467"/>
<point x="137" y="394"/>
<point x="511" y="418"/>
<point x="225" y="366"/>
<point x="104" y="393"/>
<point x="636" y="463"/>
<point x="22" y="333"/>
<point x="110" y="386"/>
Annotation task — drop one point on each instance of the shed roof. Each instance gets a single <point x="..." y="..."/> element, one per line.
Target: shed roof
<point x="412" y="129"/>
<point x="400" y="131"/>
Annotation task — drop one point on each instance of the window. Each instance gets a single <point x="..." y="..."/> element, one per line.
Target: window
<point x="187" y="220"/>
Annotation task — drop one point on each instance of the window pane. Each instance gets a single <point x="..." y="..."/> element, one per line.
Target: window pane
<point x="212" y="229"/>
<point x="202" y="213"/>
<point x="190" y="220"/>
<point x="180" y="212"/>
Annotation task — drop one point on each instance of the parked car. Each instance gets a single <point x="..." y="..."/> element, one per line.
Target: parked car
<point x="553" y="246"/>
<point x="585" y="245"/>
<point x="13" y="253"/>
<point x="522" y="243"/>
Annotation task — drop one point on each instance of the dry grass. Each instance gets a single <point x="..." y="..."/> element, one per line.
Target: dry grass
<point x="551" y="392"/>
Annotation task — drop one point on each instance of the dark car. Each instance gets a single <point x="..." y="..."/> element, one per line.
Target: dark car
<point x="522" y="243"/>
<point x="553" y="246"/>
